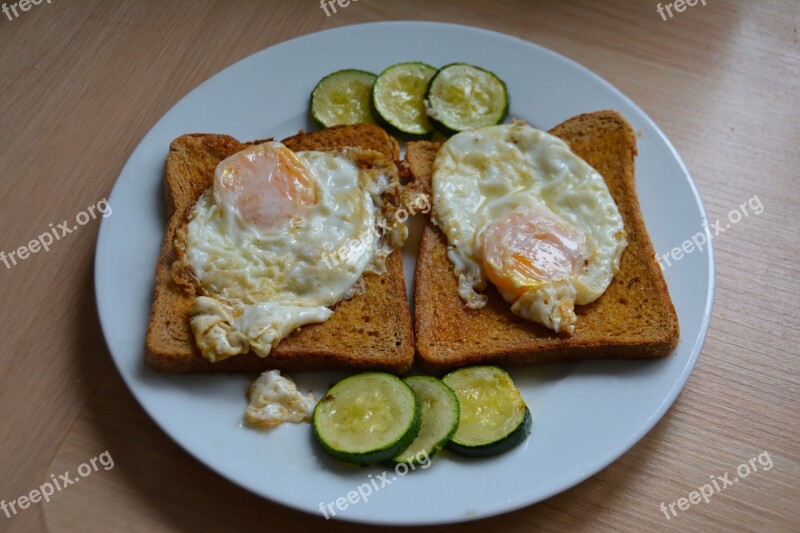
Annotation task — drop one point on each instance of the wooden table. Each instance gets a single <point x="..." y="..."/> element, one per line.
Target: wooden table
<point x="81" y="82"/>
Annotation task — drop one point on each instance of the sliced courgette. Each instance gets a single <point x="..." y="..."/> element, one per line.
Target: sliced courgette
<point x="494" y="417"/>
<point x="398" y="98"/>
<point x="343" y="98"/>
<point x="367" y="418"/>
<point x="440" y="415"/>
<point x="464" y="97"/>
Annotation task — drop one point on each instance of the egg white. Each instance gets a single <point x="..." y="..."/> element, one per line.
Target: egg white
<point x="259" y="285"/>
<point x="483" y="174"/>
<point x="274" y="399"/>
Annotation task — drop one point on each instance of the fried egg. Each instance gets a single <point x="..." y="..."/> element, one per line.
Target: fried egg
<point x="522" y="211"/>
<point x="255" y="243"/>
<point x="274" y="399"/>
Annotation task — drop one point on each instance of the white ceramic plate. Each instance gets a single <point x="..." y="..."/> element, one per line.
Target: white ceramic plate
<point x="586" y="414"/>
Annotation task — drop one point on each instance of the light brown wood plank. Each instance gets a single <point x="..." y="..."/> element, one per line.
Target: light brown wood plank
<point x="81" y="82"/>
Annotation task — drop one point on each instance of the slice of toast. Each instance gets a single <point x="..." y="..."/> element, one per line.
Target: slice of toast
<point x="370" y="331"/>
<point x="633" y="319"/>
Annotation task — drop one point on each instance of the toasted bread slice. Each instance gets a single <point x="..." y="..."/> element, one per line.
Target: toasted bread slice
<point x="370" y="331"/>
<point x="633" y="319"/>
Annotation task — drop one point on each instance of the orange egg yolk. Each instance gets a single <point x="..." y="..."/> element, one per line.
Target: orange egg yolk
<point x="267" y="184"/>
<point x="528" y="247"/>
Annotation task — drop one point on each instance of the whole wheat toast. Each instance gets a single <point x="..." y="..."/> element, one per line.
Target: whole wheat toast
<point x="633" y="319"/>
<point x="372" y="330"/>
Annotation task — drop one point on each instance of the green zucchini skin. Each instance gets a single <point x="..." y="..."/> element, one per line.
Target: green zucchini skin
<point x="317" y="107"/>
<point x="385" y="121"/>
<point x="454" y="415"/>
<point x="380" y="453"/>
<point x="512" y="440"/>
<point x="450" y="130"/>
<point x="473" y="438"/>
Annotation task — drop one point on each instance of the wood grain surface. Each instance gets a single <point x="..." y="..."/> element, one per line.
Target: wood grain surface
<point x="81" y="82"/>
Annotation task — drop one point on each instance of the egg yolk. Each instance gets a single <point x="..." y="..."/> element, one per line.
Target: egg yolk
<point x="527" y="247"/>
<point x="267" y="184"/>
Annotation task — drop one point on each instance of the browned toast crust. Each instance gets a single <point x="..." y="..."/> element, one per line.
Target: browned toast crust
<point x="370" y="331"/>
<point x="633" y="319"/>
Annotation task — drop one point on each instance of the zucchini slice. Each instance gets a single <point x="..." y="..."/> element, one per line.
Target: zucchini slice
<point x="367" y="418"/>
<point x="464" y="97"/>
<point x="398" y="98"/>
<point x="343" y="98"/>
<point x="440" y="415"/>
<point x="494" y="417"/>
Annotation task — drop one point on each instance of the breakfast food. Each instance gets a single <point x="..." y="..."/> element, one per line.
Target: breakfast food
<point x="463" y="97"/>
<point x="253" y="240"/>
<point x="367" y="418"/>
<point x="284" y="256"/>
<point x="412" y="99"/>
<point x="440" y="414"/>
<point x="494" y="417"/>
<point x="343" y="98"/>
<point x="274" y="399"/>
<point x="375" y="417"/>
<point x="520" y="209"/>
<point x="213" y="297"/>
<point x="634" y="317"/>
<point x="398" y="98"/>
